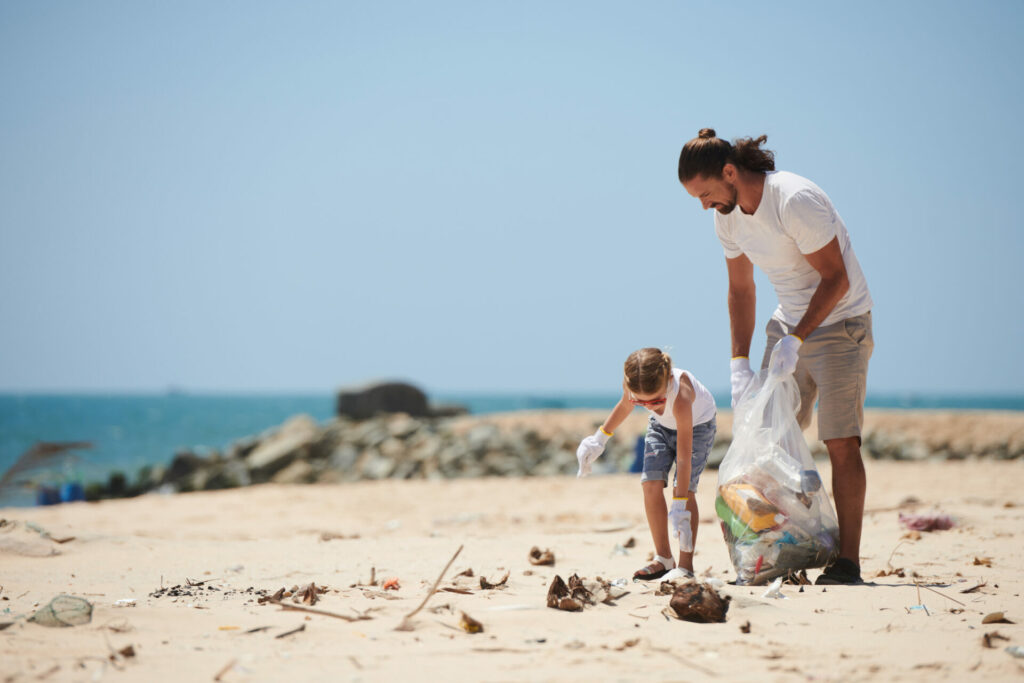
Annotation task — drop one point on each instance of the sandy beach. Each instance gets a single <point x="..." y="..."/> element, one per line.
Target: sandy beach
<point x="246" y="543"/>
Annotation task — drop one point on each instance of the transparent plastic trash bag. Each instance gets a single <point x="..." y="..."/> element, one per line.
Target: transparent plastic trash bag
<point x="62" y="611"/>
<point x="775" y="514"/>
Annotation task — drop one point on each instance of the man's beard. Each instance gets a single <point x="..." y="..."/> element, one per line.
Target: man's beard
<point x="727" y="208"/>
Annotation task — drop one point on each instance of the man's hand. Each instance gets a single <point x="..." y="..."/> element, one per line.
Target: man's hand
<point x="590" y="449"/>
<point x="785" y="355"/>
<point x="679" y="520"/>
<point x="740" y="376"/>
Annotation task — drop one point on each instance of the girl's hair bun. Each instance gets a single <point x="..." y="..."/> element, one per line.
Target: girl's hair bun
<point x="706" y="133"/>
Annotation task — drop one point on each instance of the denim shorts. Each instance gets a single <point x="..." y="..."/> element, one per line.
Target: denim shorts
<point x="660" y="451"/>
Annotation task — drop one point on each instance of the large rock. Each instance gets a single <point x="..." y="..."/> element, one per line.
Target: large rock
<point x="291" y="442"/>
<point x="298" y="472"/>
<point x="184" y="465"/>
<point x="362" y="403"/>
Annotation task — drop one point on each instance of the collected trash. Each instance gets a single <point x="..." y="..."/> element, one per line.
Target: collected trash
<point x="541" y="557"/>
<point x="63" y="610"/>
<point x="700" y="603"/>
<point x="775" y="514"/>
<point x="927" y="522"/>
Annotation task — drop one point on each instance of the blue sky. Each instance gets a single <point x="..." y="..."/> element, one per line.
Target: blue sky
<point x="251" y="196"/>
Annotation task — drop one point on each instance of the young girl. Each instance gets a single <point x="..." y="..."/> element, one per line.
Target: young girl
<point x="681" y="431"/>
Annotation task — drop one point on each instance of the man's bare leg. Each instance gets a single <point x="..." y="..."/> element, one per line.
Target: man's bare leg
<point x="849" y="484"/>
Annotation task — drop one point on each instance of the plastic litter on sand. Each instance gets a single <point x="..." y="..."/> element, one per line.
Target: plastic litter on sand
<point x="63" y="610"/>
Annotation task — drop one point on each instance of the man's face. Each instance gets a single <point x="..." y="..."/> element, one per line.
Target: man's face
<point x="713" y="193"/>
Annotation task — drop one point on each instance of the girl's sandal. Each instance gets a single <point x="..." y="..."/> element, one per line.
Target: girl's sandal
<point x="655" y="570"/>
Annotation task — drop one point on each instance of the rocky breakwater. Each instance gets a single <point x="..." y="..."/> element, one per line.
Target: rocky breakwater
<point x="397" y="445"/>
<point x="387" y="446"/>
<point x="943" y="435"/>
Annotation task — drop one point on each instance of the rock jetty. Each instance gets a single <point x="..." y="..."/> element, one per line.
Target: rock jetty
<point x="374" y="437"/>
<point x="395" y="446"/>
<point x="513" y="444"/>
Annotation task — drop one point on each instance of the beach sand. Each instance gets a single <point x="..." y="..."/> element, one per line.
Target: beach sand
<point x="268" y="537"/>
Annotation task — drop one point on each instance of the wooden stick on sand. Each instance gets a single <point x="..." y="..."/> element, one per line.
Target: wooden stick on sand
<point x="406" y="624"/>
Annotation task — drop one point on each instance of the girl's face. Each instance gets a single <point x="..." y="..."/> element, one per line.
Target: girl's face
<point x="654" y="400"/>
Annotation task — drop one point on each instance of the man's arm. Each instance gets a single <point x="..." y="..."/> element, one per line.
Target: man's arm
<point x="742" y="303"/>
<point x="828" y="261"/>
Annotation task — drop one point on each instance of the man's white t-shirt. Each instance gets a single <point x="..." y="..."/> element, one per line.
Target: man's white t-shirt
<point x="795" y="217"/>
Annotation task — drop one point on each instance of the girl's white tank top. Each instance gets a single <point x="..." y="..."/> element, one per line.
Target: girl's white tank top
<point x="703" y="401"/>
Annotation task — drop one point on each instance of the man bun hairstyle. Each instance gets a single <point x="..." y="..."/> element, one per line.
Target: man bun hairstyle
<point x="647" y="370"/>
<point x="707" y="154"/>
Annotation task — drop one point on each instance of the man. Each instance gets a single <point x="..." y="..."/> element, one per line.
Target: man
<point x="821" y="331"/>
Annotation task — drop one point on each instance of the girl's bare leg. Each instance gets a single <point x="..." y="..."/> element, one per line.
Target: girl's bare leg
<point x="657" y="516"/>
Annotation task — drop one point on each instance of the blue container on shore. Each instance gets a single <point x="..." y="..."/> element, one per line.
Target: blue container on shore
<point x="71" y="491"/>
<point x="47" y="495"/>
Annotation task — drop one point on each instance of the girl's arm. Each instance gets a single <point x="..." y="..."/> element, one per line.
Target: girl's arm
<point x="619" y="413"/>
<point x="682" y="411"/>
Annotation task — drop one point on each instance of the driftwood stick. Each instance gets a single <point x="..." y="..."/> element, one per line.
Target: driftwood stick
<point x="300" y="629"/>
<point x="943" y="595"/>
<point x="192" y="582"/>
<point x="888" y="562"/>
<point x="227" y="667"/>
<point x="299" y="608"/>
<point x="404" y="626"/>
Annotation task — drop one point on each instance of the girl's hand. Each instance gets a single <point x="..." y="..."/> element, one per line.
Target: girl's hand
<point x="679" y="519"/>
<point x="590" y="450"/>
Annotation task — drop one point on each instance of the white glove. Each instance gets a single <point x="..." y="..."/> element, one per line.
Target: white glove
<point x="740" y="376"/>
<point x="785" y="355"/>
<point x="679" y="520"/>
<point x="590" y="450"/>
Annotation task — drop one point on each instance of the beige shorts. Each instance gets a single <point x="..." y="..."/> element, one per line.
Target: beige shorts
<point x="833" y="366"/>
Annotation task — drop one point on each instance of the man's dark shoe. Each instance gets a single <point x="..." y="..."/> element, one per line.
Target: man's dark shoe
<point x="842" y="571"/>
